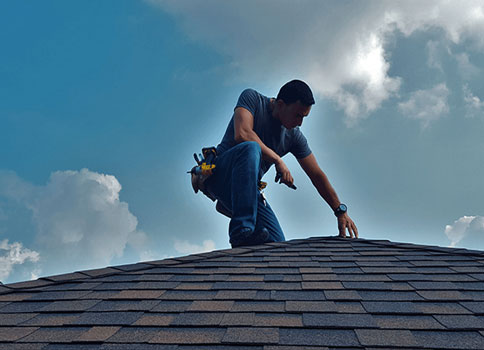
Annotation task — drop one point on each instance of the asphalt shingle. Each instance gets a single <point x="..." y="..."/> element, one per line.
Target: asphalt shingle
<point x="317" y="293"/>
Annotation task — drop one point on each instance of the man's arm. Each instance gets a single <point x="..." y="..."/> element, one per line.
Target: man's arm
<point x="321" y="182"/>
<point x="244" y="131"/>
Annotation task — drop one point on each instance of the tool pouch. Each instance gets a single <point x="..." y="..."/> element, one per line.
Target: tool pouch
<point x="203" y="170"/>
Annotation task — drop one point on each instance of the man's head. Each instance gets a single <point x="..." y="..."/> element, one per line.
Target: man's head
<point x="293" y="103"/>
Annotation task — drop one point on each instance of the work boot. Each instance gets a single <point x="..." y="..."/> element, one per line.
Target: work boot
<point x="246" y="237"/>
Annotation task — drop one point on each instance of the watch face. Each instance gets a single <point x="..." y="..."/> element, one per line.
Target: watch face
<point x="343" y="208"/>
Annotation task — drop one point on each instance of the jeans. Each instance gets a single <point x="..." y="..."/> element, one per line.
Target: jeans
<point x="235" y="184"/>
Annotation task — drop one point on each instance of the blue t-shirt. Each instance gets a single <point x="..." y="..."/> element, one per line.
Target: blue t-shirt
<point x="269" y="129"/>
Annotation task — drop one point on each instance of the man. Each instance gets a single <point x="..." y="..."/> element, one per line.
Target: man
<point x="261" y="131"/>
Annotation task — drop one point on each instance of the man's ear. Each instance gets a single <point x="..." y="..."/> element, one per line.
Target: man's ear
<point x="280" y="103"/>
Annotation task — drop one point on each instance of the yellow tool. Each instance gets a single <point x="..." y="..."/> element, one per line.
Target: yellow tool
<point x="205" y="165"/>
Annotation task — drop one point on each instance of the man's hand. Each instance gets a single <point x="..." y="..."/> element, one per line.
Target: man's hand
<point x="283" y="170"/>
<point x="345" y="222"/>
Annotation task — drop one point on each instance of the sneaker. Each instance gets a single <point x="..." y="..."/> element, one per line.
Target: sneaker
<point x="246" y="237"/>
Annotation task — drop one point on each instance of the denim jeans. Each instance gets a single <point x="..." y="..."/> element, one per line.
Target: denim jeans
<point x="235" y="184"/>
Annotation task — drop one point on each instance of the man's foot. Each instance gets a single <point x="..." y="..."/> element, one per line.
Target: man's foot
<point x="247" y="237"/>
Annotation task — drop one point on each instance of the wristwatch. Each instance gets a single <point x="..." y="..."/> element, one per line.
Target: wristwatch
<point x="342" y="208"/>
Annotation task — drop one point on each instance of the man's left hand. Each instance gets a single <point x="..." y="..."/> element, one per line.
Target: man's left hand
<point x="345" y="222"/>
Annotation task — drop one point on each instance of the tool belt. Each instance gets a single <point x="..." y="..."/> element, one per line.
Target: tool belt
<point x="203" y="170"/>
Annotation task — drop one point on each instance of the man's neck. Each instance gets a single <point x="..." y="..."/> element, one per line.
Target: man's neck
<point x="274" y="112"/>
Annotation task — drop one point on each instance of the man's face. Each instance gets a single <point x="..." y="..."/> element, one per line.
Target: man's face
<point x="292" y="115"/>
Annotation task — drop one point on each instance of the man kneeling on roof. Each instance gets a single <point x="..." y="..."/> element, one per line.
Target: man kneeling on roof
<point x="262" y="130"/>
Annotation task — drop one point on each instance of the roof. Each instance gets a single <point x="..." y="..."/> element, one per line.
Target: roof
<point x="315" y="293"/>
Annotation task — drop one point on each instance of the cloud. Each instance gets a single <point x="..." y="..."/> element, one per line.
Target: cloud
<point x="426" y="105"/>
<point x="473" y="104"/>
<point x="467" y="231"/>
<point x="434" y="55"/>
<point x="185" y="247"/>
<point x="79" y="220"/>
<point x="340" y="48"/>
<point x="14" y="254"/>
<point x="468" y="69"/>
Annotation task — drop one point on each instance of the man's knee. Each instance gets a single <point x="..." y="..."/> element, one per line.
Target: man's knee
<point x="251" y="147"/>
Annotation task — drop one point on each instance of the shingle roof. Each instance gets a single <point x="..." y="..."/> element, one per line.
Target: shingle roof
<point x="316" y="293"/>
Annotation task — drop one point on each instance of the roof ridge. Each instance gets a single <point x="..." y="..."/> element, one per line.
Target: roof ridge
<point x="175" y="261"/>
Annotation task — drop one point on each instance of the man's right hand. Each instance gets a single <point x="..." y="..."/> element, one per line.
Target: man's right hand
<point x="285" y="174"/>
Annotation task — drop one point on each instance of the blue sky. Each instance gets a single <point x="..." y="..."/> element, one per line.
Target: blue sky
<point x="102" y="104"/>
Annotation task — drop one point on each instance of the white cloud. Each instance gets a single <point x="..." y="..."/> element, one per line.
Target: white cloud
<point x="473" y="104"/>
<point x="467" y="228"/>
<point x="14" y="254"/>
<point x="186" y="247"/>
<point x="433" y="55"/>
<point x="426" y="105"/>
<point x="468" y="69"/>
<point x="339" y="48"/>
<point x="80" y="221"/>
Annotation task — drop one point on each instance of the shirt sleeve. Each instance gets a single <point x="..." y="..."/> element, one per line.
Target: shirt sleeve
<point x="249" y="99"/>
<point x="299" y="146"/>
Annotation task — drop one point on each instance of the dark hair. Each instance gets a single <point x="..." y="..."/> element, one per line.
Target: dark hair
<point x="296" y="90"/>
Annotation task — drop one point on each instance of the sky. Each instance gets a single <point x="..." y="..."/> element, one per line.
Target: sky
<point x="103" y="103"/>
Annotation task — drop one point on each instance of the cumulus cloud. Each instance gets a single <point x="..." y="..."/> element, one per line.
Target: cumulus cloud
<point x="14" y="254"/>
<point x="467" y="231"/>
<point x="338" y="47"/>
<point x="186" y="247"/>
<point x="426" y="105"/>
<point x="79" y="220"/>
<point x="473" y="104"/>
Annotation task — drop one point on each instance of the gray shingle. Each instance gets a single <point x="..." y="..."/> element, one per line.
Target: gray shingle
<point x="258" y="306"/>
<point x="134" y="335"/>
<point x="14" y="319"/>
<point x="388" y="295"/>
<point x="321" y="285"/>
<point x="188" y="295"/>
<point x="399" y="307"/>
<point x="57" y="319"/>
<point x="155" y="319"/>
<point x="98" y="334"/>
<point x="327" y="320"/>
<point x="24" y="307"/>
<point x="407" y="322"/>
<point x="198" y="319"/>
<point x="172" y="306"/>
<point x="449" y="340"/>
<point x="15" y="333"/>
<point x="380" y="337"/>
<point x="434" y="285"/>
<point x="24" y="346"/>
<point x="54" y="334"/>
<point x="460" y="321"/>
<point x="108" y="318"/>
<point x="310" y="306"/>
<point x="69" y="305"/>
<point x="238" y="319"/>
<point x="197" y="335"/>
<point x="321" y="337"/>
<point x="236" y="294"/>
<point x="249" y="335"/>
<point x="342" y="295"/>
<point x="277" y="320"/>
<point x="443" y="295"/>
<point x="211" y="305"/>
<point x="125" y="305"/>
<point x="297" y="295"/>
<point x="441" y="308"/>
<point x="474" y="306"/>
